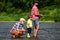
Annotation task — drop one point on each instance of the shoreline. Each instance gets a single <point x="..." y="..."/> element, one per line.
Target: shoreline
<point x="16" y="21"/>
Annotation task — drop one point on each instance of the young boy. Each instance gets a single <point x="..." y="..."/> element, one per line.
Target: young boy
<point x="18" y="29"/>
<point x="29" y="26"/>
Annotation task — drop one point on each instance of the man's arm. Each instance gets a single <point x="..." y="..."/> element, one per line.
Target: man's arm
<point x="37" y="13"/>
<point x="15" y="27"/>
<point x="40" y="15"/>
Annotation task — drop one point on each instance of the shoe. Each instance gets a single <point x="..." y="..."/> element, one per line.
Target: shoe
<point x="13" y="36"/>
<point x="28" y="35"/>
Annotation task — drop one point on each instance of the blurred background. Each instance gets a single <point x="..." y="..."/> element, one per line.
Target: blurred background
<point x="13" y="10"/>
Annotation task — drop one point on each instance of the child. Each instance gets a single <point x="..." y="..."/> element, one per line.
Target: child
<point x="18" y="29"/>
<point x="29" y="26"/>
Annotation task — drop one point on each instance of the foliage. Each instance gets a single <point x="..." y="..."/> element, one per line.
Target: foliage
<point x="13" y="10"/>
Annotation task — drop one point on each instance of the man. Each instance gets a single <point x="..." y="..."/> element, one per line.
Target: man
<point x="35" y="18"/>
<point x="18" y="28"/>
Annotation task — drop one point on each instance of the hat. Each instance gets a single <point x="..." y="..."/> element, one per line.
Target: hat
<point x="22" y="19"/>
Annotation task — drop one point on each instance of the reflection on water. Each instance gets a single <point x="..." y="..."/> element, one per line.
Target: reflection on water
<point x="21" y="38"/>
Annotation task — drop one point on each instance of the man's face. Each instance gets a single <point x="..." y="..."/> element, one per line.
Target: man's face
<point x="22" y="22"/>
<point x="36" y="4"/>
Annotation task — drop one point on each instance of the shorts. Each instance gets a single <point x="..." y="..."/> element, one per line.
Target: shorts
<point x="29" y="30"/>
<point x="36" y="23"/>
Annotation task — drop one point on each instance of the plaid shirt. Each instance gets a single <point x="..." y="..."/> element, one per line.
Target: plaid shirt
<point x="17" y="26"/>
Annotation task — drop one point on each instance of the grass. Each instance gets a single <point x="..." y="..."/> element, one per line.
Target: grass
<point x="51" y="13"/>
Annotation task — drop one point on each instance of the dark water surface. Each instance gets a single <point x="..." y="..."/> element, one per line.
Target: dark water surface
<point x="48" y="31"/>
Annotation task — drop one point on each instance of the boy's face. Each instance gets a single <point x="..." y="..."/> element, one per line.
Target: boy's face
<point x="22" y="22"/>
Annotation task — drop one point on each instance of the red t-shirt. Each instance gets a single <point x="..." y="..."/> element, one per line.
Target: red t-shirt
<point x="34" y="12"/>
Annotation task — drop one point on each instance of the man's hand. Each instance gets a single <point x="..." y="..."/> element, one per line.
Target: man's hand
<point x="37" y="15"/>
<point x="41" y="15"/>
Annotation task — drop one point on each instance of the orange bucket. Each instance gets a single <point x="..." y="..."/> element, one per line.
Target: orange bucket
<point x="18" y="32"/>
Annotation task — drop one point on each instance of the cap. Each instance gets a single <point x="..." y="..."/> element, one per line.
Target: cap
<point x="22" y="19"/>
